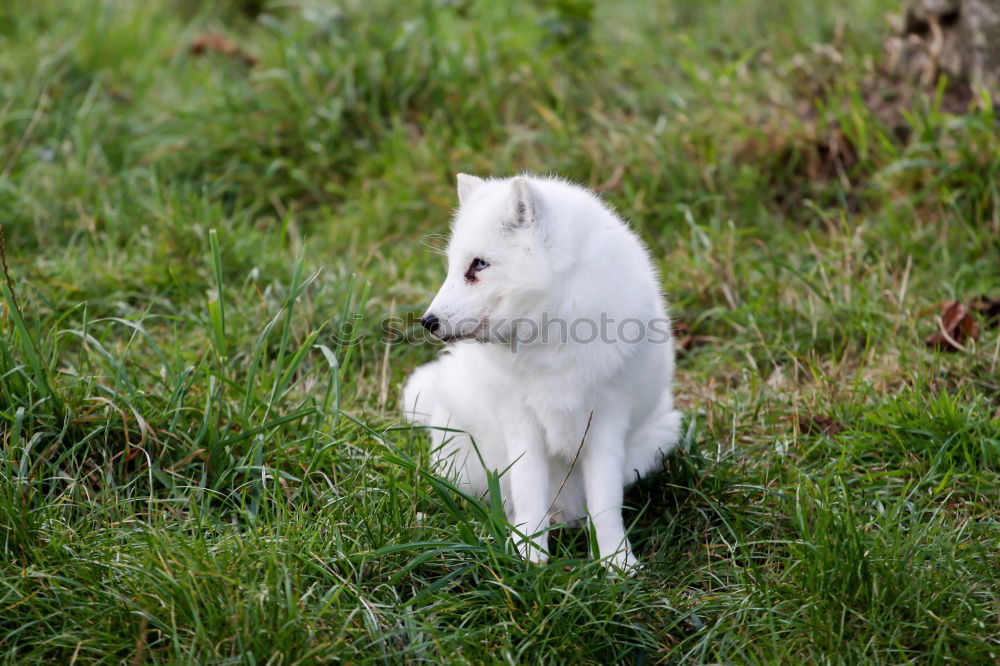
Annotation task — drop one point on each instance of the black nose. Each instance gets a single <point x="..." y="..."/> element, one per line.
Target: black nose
<point x="430" y="322"/>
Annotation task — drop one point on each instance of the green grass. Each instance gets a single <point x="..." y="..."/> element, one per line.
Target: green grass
<point x="202" y="459"/>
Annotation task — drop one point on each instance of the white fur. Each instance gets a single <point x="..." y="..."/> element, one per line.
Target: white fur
<point x="552" y="248"/>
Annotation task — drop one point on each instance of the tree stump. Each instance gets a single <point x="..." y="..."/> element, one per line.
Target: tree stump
<point x="957" y="38"/>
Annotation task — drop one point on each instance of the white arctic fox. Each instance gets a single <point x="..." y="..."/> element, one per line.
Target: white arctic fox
<point x="562" y="359"/>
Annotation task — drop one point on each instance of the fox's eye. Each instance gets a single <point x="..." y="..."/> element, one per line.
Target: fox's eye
<point x="477" y="265"/>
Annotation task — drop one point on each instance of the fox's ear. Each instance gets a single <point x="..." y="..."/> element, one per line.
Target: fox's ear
<point x="467" y="185"/>
<point x="523" y="204"/>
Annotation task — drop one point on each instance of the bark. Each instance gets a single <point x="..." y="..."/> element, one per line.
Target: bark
<point x="958" y="38"/>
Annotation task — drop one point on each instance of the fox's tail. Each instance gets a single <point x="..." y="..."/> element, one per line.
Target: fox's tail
<point x="657" y="437"/>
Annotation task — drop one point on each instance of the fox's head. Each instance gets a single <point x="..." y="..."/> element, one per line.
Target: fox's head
<point x="498" y="264"/>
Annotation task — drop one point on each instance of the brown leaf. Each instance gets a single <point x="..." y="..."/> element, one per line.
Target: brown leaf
<point x="955" y="325"/>
<point x="816" y="425"/>
<point x="213" y="42"/>
<point x="614" y="182"/>
<point x="683" y="339"/>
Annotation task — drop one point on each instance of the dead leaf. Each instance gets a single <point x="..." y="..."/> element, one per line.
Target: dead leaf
<point x="683" y="339"/>
<point x="820" y="425"/>
<point x="955" y="325"/>
<point x="213" y="42"/>
<point x="614" y="182"/>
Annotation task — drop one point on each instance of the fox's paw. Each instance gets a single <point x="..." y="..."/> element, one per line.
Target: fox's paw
<point x="623" y="563"/>
<point x="532" y="553"/>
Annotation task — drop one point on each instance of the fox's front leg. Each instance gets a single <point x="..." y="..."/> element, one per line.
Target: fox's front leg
<point x="529" y="487"/>
<point x="604" y="484"/>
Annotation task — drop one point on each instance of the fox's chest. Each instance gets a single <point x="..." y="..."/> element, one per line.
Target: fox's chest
<point x="564" y="430"/>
